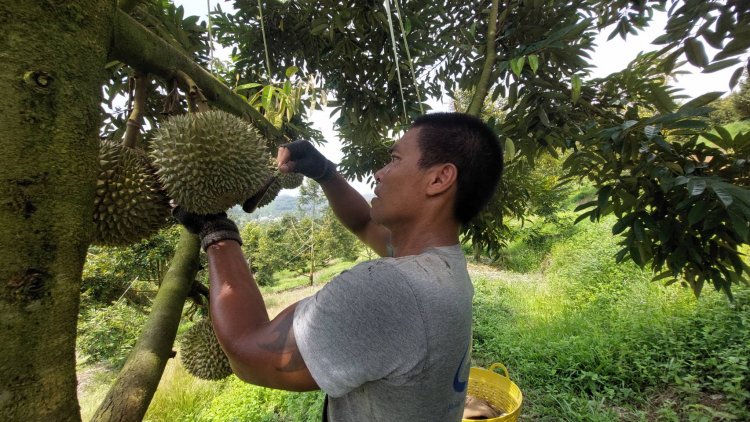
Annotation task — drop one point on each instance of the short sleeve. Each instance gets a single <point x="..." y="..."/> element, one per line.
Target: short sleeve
<point x="364" y="325"/>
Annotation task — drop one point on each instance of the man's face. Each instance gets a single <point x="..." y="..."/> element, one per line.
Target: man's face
<point x="400" y="184"/>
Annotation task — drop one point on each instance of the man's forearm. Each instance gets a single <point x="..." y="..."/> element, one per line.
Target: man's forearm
<point x="349" y="206"/>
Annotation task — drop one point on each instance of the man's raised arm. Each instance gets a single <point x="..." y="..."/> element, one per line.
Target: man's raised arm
<point x="347" y="204"/>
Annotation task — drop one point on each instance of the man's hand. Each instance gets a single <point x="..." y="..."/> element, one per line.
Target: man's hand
<point x="210" y="228"/>
<point x="302" y="157"/>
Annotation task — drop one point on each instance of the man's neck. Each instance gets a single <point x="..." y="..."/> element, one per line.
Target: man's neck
<point x="415" y="240"/>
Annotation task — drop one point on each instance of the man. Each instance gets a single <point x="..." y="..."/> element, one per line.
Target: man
<point x="388" y="339"/>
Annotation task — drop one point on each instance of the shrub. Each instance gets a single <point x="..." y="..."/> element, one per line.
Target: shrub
<point x="108" y="334"/>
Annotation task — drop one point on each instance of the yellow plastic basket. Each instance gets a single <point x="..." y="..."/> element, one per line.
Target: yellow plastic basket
<point x="498" y="390"/>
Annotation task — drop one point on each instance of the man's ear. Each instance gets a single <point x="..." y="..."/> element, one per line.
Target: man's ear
<point x="442" y="178"/>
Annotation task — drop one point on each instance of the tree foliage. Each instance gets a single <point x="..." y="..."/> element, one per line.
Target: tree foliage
<point x="628" y="133"/>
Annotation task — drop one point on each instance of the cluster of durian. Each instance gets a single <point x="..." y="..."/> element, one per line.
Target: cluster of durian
<point x="201" y="354"/>
<point x="208" y="162"/>
<point x="129" y="204"/>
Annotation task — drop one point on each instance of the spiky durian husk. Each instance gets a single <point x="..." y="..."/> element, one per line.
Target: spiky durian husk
<point x="129" y="205"/>
<point x="290" y="180"/>
<point x="209" y="162"/>
<point x="201" y="354"/>
<point x="270" y="194"/>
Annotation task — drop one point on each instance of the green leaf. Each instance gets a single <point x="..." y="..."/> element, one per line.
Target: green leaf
<point x="266" y="96"/>
<point x="291" y="70"/>
<point x="513" y="94"/>
<point x="603" y="198"/>
<point x="533" y="62"/>
<point x="698" y="212"/>
<point x="736" y="77"/>
<point x="725" y="135"/>
<point x="723" y="64"/>
<point x="576" y="88"/>
<point x="247" y="86"/>
<point x="701" y="101"/>
<point x="516" y="65"/>
<point x="695" y="52"/>
<point x="543" y="117"/>
<point x="724" y="196"/>
<point x="740" y="224"/>
<point x="586" y="205"/>
<point x="510" y="149"/>
<point x="734" y="47"/>
<point x="407" y="25"/>
<point x="696" y="186"/>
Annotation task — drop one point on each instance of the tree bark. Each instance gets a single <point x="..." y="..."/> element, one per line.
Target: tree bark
<point x="53" y="55"/>
<point x="139" y="48"/>
<point x="130" y="395"/>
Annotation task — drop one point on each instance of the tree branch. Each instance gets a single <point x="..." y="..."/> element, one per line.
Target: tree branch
<point x="130" y="395"/>
<point x="138" y="47"/>
<point x="490" y="56"/>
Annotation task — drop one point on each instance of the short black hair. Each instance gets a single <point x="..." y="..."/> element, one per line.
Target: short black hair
<point x="469" y="144"/>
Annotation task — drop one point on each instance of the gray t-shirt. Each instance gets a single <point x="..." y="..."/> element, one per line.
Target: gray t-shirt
<point x="389" y="339"/>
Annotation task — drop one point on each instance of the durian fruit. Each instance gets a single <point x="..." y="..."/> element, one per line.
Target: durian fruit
<point x="210" y="161"/>
<point x="282" y="181"/>
<point x="290" y="180"/>
<point x="129" y="203"/>
<point x="201" y="354"/>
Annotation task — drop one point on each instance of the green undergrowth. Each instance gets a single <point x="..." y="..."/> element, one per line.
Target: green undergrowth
<point x="287" y="280"/>
<point x="181" y="397"/>
<point x="591" y="340"/>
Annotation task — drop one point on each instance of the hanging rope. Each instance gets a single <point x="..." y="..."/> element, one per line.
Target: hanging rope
<point x="265" y="45"/>
<point x="395" y="57"/>
<point x="408" y="56"/>
<point x="210" y="39"/>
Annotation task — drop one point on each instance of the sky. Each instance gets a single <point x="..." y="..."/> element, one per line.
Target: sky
<point x="610" y="56"/>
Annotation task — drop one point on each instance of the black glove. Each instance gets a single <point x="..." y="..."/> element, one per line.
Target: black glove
<point x="309" y="162"/>
<point x="210" y="228"/>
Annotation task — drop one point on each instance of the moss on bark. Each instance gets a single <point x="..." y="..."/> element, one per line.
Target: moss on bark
<point x="53" y="56"/>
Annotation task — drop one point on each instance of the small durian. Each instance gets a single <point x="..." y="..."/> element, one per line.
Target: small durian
<point x="129" y="204"/>
<point x="282" y="181"/>
<point x="290" y="180"/>
<point x="201" y="354"/>
<point x="208" y="162"/>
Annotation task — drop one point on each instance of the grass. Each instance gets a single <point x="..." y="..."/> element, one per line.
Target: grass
<point x="589" y="340"/>
<point x="287" y="280"/>
<point x="585" y="339"/>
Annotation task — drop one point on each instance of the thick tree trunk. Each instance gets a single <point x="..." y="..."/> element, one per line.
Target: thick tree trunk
<point x="53" y="55"/>
<point x="130" y="395"/>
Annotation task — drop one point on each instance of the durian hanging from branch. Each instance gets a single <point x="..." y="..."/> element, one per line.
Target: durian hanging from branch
<point x="129" y="204"/>
<point x="201" y="354"/>
<point x="209" y="160"/>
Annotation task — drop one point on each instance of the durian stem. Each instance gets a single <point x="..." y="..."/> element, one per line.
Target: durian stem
<point x="196" y="100"/>
<point x="133" y="129"/>
<point x="130" y="395"/>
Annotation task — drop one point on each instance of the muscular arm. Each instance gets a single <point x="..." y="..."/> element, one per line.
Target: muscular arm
<point x="354" y="213"/>
<point x="261" y="351"/>
<point x="348" y="205"/>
